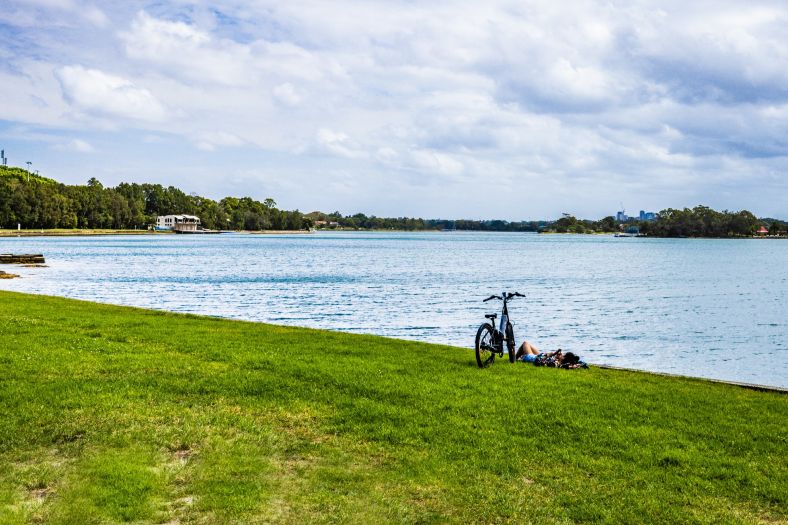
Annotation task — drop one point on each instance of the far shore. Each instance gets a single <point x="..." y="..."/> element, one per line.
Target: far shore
<point x="100" y="232"/>
<point x="92" y="232"/>
<point x="76" y="232"/>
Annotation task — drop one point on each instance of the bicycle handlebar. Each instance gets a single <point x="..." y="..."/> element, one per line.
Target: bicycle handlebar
<point x="509" y="296"/>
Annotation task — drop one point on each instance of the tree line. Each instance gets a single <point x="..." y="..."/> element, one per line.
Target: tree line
<point x="571" y="224"/>
<point x="363" y="222"/>
<point x="39" y="202"/>
<point x="701" y="221"/>
<point x="495" y="225"/>
<point x="360" y="221"/>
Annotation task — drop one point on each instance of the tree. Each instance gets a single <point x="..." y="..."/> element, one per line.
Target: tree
<point x="565" y="223"/>
<point x="608" y="224"/>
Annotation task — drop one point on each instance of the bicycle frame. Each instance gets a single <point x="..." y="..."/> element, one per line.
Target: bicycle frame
<point x="504" y="317"/>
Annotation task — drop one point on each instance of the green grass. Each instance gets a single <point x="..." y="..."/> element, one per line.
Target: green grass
<point x="111" y="414"/>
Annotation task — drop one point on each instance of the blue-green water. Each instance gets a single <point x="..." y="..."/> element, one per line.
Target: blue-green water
<point x="709" y="308"/>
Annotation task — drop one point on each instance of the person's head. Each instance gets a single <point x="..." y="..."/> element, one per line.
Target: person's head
<point x="569" y="359"/>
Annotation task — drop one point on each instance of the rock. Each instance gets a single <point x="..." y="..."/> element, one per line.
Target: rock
<point x="5" y="275"/>
<point x="10" y="258"/>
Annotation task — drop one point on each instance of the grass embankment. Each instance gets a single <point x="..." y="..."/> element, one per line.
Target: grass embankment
<point x="111" y="414"/>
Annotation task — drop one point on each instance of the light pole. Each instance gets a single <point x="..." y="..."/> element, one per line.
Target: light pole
<point x="28" y="170"/>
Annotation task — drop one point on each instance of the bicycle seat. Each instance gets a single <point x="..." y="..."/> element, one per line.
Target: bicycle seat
<point x="490" y="316"/>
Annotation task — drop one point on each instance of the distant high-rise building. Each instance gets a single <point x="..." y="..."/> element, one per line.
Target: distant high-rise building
<point x="621" y="216"/>
<point x="647" y="215"/>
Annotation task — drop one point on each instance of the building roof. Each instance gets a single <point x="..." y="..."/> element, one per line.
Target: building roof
<point x="181" y="216"/>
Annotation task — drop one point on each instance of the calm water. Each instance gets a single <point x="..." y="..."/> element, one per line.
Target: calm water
<point x="711" y="308"/>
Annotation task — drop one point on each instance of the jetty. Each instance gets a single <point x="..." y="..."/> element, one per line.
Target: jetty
<point x="28" y="258"/>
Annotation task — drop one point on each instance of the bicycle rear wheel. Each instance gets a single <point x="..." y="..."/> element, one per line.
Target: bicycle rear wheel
<point x="510" y="344"/>
<point x="485" y="346"/>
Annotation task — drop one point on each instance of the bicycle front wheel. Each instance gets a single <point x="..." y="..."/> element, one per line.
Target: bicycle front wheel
<point x="510" y="344"/>
<point x="485" y="346"/>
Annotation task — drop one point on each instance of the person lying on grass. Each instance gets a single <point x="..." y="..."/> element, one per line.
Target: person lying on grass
<point x="528" y="353"/>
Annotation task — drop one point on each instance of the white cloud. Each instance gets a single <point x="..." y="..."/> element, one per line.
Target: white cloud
<point x="181" y="49"/>
<point x="94" y="15"/>
<point x="432" y="162"/>
<point x="338" y="143"/>
<point x="287" y="94"/>
<point x="76" y="10"/>
<point x="590" y="100"/>
<point x="210" y="141"/>
<point x="79" y="146"/>
<point x="94" y="91"/>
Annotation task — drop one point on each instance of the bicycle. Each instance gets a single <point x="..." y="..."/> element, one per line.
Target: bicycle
<point x="490" y="340"/>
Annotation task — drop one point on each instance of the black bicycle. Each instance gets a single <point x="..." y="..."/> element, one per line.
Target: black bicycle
<point x="490" y="340"/>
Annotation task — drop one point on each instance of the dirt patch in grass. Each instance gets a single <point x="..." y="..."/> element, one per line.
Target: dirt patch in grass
<point x="183" y="456"/>
<point x="182" y="453"/>
<point x="39" y="495"/>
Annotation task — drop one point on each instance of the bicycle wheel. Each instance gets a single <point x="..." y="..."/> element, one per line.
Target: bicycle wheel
<point x="485" y="346"/>
<point x="510" y="344"/>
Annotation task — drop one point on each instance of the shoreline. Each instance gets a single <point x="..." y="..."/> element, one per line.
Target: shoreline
<point x="761" y="387"/>
<point x="96" y="233"/>
<point x="740" y="384"/>
<point x="750" y="386"/>
<point x="77" y="233"/>
<point x="5" y="233"/>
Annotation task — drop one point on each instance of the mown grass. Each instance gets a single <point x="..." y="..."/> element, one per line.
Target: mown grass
<point x="111" y="414"/>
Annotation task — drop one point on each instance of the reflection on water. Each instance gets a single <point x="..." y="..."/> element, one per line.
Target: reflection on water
<point x="712" y="308"/>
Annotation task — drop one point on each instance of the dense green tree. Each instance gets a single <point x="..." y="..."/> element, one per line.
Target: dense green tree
<point x="608" y="224"/>
<point x="701" y="221"/>
<point x="38" y="202"/>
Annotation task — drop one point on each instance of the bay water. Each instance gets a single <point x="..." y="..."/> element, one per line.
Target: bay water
<point x="711" y="308"/>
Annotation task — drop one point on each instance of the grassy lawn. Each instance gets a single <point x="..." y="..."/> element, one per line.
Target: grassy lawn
<point x="111" y="414"/>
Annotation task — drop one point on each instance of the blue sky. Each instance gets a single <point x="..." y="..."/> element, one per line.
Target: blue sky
<point x="515" y="110"/>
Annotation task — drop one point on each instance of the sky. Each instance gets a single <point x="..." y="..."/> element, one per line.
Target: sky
<point x="516" y="110"/>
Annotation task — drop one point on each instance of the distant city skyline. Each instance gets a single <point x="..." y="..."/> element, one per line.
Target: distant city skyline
<point x="643" y="215"/>
<point x="499" y="110"/>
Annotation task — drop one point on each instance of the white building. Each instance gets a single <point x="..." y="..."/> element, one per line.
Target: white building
<point x="182" y="223"/>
